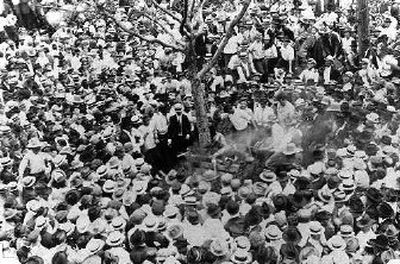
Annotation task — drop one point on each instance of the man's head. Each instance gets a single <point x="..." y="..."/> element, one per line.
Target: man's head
<point x="178" y="109"/>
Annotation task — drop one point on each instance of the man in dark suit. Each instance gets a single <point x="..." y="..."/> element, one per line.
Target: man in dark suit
<point x="179" y="130"/>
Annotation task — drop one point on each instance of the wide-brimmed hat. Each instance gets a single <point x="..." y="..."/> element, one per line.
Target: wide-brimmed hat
<point x="336" y="243"/>
<point x="260" y="188"/>
<point x="292" y="235"/>
<point x="241" y="256"/>
<point x="28" y="181"/>
<point x="174" y="231"/>
<point x="115" y="238"/>
<point x="381" y="242"/>
<point x="59" y="160"/>
<point x="129" y="197"/>
<point x="242" y="242"/>
<point x="186" y="190"/>
<point x="391" y="231"/>
<point x="95" y="245"/>
<point x="340" y="196"/>
<point x="316" y="228"/>
<point x="374" y="195"/>
<point x="109" y="186"/>
<point x="385" y="211"/>
<point x="118" y="223"/>
<point x="58" y="175"/>
<point x="268" y="176"/>
<point x="219" y="248"/>
<point x="347" y="186"/>
<point x="272" y="232"/>
<point x="34" y="143"/>
<point x="291" y="149"/>
<point x="209" y="175"/>
<point x="346" y="231"/>
<point x="6" y="161"/>
<point x="325" y="195"/>
<point x="150" y="223"/>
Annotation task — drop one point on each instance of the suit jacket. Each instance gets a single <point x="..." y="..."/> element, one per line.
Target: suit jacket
<point x="174" y="128"/>
<point x="331" y="44"/>
<point x="200" y="47"/>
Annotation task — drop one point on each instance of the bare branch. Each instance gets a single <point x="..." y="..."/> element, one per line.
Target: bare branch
<point x="169" y="13"/>
<point x="184" y="18"/>
<point x="224" y="41"/>
<point x="150" y="40"/>
<point x="162" y="26"/>
<point x="186" y="30"/>
<point x="191" y="10"/>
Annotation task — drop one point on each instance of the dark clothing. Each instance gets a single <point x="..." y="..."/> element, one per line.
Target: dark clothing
<point x="177" y="132"/>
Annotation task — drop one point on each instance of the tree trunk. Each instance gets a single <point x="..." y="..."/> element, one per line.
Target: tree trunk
<point x="363" y="26"/>
<point x="200" y="106"/>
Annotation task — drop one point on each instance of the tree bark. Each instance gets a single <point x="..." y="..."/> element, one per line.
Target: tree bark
<point x="363" y="26"/>
<point x="199" y="98"/>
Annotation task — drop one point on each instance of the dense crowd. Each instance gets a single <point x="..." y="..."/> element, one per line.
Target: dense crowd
<point x="95" y="123"/>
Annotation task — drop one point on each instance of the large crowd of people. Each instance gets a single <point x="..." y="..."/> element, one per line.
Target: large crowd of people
<point x="95" y="123"/>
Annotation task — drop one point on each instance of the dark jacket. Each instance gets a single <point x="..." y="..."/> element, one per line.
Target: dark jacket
<point x="175" y="129"/>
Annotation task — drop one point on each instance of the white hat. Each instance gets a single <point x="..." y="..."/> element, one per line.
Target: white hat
<point x="273" y="232"/>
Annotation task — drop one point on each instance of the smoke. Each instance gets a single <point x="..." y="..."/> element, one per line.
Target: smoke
<point x="261" y="142"/>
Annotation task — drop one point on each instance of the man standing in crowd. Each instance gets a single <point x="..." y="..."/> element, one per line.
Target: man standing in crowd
<point x="179" y="130"/>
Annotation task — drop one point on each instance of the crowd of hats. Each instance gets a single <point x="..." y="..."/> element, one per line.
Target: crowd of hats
<point x="74" y="189"/>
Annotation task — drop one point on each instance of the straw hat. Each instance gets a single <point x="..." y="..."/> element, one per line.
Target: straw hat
<point x="115" y="238"/>
<point x="336" y="243"/>
<point x="325" y="195"/>
<point x="241" y="256"/>
<point x="28" y="181"/>
<point x="174" y="231"/>
<point x="316" y="228"/>
<point x="95" y="245"/>
<point x="34" y="143"/>
<point x="219" y="248"/>
<point x="268" y="176"/>
<point x="272" y="232"/>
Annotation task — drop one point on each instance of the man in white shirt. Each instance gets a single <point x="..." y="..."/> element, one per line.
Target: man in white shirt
<point x="257" y="53"/>
<point x="311" y="73"/>
<point x="242" y="117"/>
<point x="231" y="48"/>
<point x="35" y="162"/>
<point x="287" y="54"/>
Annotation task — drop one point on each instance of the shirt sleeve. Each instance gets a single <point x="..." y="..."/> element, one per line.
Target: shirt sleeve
<point x="22" y="166"/>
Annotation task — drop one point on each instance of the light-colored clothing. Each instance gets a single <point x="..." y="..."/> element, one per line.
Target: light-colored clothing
<point x="241" y="119"/>
<point x="35" y="162"/>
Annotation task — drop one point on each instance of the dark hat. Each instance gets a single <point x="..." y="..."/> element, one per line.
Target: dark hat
<point x="381" y="242"/>
<point x="193" y="217"/>
<point x="385" y="210"/>
<point x="387" y="140"/>
<point x="323" y="216"/>
<point x="280" y="202"/>
<point x="356" y="206"/>
<point x="213" y="210"/>
<point x="289" y="251"/>
<point x="292" y="235"/>
<point x="302" y="183"/>
<point x="374" y="195"/>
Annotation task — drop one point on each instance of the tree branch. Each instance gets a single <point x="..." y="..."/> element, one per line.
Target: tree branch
<point x="224" y="41"/>
<point x="170" y="14"/>
<point x="191" y="10"/>
<point x="150" y="40"/>
<point x="184" y="18"/>
<point x="161" y="25"/>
